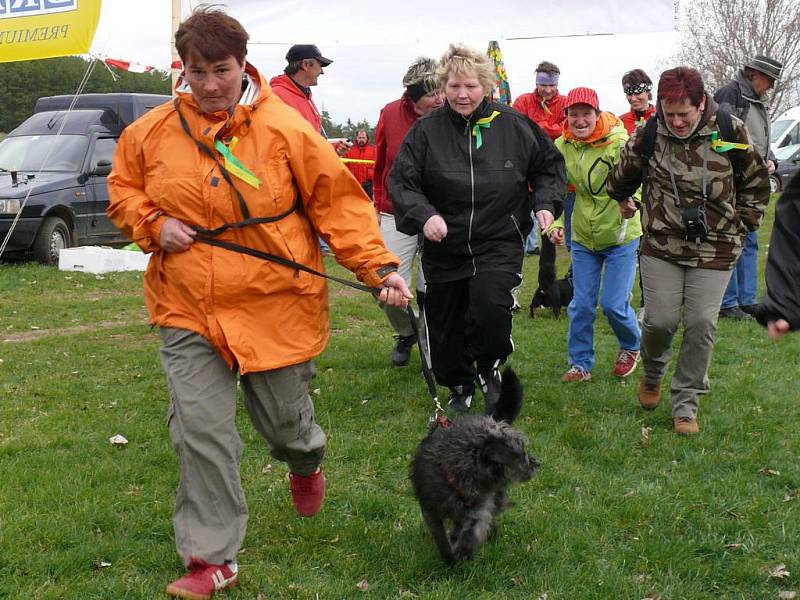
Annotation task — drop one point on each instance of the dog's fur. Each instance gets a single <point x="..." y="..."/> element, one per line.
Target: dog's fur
<point x="553" y="293"/>
<point x="460" y="473"/>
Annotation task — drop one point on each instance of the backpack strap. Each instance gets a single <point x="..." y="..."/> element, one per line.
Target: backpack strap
<point x="648" y="145"/>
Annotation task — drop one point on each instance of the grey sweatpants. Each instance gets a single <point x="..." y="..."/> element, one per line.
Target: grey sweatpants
<point x="210" y="515"/>
<point x="667" y="288"/>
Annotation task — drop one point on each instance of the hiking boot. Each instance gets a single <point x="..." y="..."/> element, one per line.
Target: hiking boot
<point x="735" y="313"/>
<point x="203" y="580"/>
<point x="490" y="383"/>
<point x="402" y="350"/>
<point x="576" y="374"/>
<point x="460" y="398"/>
<point x="750" y="309"/>
<point x="308" y="492"/>
<point x="649" y="394"/>
<point x="686" y="425"/>
<point x="626" y="362"/>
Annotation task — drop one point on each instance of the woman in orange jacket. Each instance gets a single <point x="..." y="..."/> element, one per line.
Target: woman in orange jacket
<point x="228" y="158"/>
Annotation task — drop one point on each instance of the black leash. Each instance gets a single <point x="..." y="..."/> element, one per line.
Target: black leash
<point x="286" y="262"/>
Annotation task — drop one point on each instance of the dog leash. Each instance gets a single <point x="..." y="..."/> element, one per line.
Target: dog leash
<point x="439" y="418"/>
<point x="206" y="237"/>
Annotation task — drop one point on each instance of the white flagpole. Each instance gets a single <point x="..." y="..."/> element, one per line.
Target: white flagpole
<point x="176" y="21"/>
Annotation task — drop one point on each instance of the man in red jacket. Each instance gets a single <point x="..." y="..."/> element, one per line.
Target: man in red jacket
<point x="544" y="106"/>
<point x="305" y="65"/>
<point x="362" y="150"/>
<point x="422" y="95"/>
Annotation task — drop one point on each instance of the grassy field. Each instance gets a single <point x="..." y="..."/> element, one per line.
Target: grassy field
<point x="610" y="515"/>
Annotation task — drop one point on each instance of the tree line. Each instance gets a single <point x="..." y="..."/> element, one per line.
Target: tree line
<point x="23" y="82"/>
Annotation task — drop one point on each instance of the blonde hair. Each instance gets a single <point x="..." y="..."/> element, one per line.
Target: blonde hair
<point x="464" y="61"/>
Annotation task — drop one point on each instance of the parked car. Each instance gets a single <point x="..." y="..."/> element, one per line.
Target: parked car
<point x="785" y="130"/>
<point x="56" y="164"/>
<point x="788" y="164"/>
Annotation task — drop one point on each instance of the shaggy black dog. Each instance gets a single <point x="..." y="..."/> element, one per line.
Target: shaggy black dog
<point x="460" y="473"/>
<point x="556" y="294"/>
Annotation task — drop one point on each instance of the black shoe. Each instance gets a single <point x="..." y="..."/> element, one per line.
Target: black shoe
<point x="750" y="309"/>
<point x="402" y="350"/>
<point x="490" y="383"/>
<point x="735" y="313"/>
<point x="460" y="398"/>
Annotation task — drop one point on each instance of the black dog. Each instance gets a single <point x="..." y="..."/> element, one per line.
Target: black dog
<point x="555" y="294"/>
<point x="460" y="473"/>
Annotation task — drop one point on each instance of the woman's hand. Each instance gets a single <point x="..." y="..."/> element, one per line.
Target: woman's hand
<point x="176" y="236"/>
<point x="395" y="292"/>
<point x="628" y="208"/>
<point x="435" y="229"/>
<point x="777" y="329"/>
<point x="557" y="236"/>
<point x="544" y="218"/>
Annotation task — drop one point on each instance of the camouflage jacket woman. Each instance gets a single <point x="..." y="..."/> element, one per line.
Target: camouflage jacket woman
<point x="736" y="184"/>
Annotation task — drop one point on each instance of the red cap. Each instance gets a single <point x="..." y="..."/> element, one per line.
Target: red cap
<point x="582" y="95"/>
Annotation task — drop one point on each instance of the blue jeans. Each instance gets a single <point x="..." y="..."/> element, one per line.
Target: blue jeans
<point x="532" y="242"/>
<point x="743" y="286"/>
<point x="615" y="267"/>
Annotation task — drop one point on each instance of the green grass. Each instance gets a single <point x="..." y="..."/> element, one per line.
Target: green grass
<point x="608" y="516"/>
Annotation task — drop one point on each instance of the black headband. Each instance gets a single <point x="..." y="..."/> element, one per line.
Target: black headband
<point x="631" y="90"/>
<point x="416" y="91"/>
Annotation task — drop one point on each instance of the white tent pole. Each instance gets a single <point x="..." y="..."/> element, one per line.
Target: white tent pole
<point x="176" y="21"/>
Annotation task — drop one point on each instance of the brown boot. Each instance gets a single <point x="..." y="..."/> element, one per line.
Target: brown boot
<point x="649" y="394"/>
<point x="686" y="425"/>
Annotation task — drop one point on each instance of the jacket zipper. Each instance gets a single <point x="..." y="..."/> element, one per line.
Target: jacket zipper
<point x="472" y="199"/>
<point x="519" y="231"/>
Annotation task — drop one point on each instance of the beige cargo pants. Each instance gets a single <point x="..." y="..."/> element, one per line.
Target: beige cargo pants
<point x="210" y="514"/>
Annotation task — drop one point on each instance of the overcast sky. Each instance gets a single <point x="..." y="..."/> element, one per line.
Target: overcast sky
<point x="372" y="42"/>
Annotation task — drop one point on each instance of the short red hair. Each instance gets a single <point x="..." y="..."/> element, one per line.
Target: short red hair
<point x="679" y="84"/>
<point x="212" y="35"/>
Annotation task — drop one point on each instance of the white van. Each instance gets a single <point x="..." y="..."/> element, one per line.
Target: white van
<point x="785" y="130"/>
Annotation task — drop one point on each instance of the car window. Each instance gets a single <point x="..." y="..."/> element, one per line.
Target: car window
<point x="31" y="153"/>
<point x="787" y="152"/>
<point x="779" y="128"/>
<point x="103" y="150"/>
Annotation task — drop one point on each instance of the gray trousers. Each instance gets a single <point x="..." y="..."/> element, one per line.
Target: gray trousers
<point x="667" y="288"/>
<point x="406" y="247"/>
<point x="210" y="515"/>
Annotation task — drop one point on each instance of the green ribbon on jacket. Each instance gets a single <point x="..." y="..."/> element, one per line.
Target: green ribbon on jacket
<point x="484" y="123"/>
<point x="234" y="165"/>
<point x="720" y="146"/>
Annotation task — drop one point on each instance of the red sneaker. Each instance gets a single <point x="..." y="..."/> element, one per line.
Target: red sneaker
<point x="308" y="492"/>
<point x="203" y="580"/>
<point x="626" y="362"/>
<point x="576" y="374"/>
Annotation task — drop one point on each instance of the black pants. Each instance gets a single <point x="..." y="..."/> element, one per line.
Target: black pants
<point x="469" y="323"/>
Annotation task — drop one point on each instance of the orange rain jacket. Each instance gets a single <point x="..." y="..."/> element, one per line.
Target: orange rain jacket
<point x="258" y="314"/>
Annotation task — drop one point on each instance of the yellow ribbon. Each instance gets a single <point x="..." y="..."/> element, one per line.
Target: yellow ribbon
<point x="360" y="161"/>
<point x="234" y="165"/>
<point x="484" y="123"/>
<point x="720" y="146"/>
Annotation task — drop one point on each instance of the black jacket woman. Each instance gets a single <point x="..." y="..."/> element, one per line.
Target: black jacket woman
<point x="467" y="176"/>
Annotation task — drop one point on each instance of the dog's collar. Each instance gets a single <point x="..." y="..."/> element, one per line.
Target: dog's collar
<point x="456" y="485"/>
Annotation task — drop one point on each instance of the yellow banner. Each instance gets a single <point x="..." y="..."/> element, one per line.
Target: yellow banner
<point x="31" y="29"/>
